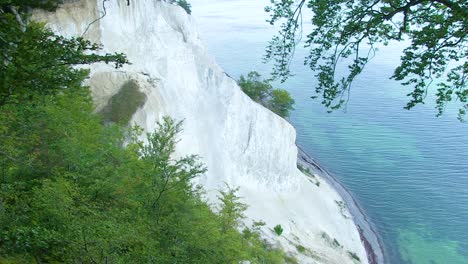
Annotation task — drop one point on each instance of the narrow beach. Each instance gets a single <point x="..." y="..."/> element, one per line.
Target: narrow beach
<point x="369" y="236"/>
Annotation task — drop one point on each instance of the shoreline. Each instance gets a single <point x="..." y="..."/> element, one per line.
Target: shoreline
<point x="369" y="236"/>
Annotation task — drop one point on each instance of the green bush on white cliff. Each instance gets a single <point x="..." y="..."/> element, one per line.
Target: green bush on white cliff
<point x="261" y="91"/>
<point x="184" y="4"/>
<point x="278" y="230"/>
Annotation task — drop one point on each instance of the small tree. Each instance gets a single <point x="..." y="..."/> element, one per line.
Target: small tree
<point x="231" y="210"/>
<point x="261" y="91"/>
<point x="278" y="230"/>
<point x="281" y="102"/>
<point x="255" y="87"/>
<point x="168" y="173"/>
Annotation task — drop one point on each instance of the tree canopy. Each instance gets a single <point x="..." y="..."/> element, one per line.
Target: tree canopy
<point x="352" y="29"/>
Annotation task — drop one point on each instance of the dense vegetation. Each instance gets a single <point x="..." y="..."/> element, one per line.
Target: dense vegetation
<point x="261" y="91"/>
<point x="350" y="31"/>
<point x="73" y="190"/>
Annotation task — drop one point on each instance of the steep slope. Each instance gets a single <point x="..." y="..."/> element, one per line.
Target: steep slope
<point x="242" y="143"/>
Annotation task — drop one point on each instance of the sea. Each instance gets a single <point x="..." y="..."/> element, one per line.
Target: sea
<point x="408" y="170"/>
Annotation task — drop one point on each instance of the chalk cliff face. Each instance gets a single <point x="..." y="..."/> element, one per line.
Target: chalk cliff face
<point x="241" y="143"/>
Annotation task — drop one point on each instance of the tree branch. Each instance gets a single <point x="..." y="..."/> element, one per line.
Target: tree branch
<point x="448" y="4"/>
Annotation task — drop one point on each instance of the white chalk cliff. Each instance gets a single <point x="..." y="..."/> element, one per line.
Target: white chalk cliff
<point x="241" y="143"/>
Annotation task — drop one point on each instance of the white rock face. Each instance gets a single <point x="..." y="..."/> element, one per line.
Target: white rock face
<point x="241" y="143"/>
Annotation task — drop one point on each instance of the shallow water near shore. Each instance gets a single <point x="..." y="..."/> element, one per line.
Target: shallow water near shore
<point x="407" y="169"/>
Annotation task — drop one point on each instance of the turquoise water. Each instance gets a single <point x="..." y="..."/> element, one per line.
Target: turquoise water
<point x="408" y="169"/>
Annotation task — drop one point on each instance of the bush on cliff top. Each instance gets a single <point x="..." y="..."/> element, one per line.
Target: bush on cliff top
<point x="184" y="4"/>
<point x="261" y="91"/>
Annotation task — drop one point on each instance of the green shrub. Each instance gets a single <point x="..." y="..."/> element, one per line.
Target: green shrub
<point x="353" y="256"/>
<point x="304" y="170"/>
<point x="261" y="91"/>
<point x="290" y="260"/>
<point x="185" y="5"/>
<point x="281" y="102"/>
<point x="256" y="88"/>
<point x="278" y="230"/>
<point x="336" y="243"/>
<point x="300" y="248"/>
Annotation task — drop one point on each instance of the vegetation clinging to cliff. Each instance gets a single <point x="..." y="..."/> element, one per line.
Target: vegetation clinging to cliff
<point x="185" y="5"/>
<point x="70" y="192"/>
<point x="261" y="91"/>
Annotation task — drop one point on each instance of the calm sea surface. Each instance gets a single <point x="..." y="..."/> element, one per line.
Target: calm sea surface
<point x="408" y="169"/>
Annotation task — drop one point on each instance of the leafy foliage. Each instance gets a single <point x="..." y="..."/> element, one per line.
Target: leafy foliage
<point x="73" y="190"/>
<point x="349" y="31"/>
<point x="278" y="229"/>
<point x="231" y="211"/>
<point x="353" y="256"/>
<point x="24" y="5"/>
<point x="26" y="73"/>
<point x="261" y="91"/>
<point x="281" y="102"/>
<point x="256" y="88"/>
<point x="184" y="4"/>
